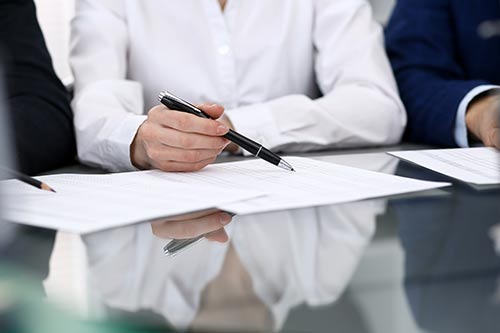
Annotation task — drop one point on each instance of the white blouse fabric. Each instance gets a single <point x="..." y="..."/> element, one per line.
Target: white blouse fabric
<point x="294" y="75"/>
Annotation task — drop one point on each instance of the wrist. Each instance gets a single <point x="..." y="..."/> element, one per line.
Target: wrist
<point x="138" y="156"/>
<point x="473" y="115"/>
<point x="479" y="113"/>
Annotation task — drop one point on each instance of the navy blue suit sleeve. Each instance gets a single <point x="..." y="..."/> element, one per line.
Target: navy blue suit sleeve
<point x="38" y="102"/>
<point x="422" y="47"/>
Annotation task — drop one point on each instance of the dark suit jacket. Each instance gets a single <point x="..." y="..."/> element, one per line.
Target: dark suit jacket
<point x="39" y="104"/>
<point x="438" y="56"/>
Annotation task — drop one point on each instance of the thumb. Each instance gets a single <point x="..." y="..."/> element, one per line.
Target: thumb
<point x="215" y="111"/>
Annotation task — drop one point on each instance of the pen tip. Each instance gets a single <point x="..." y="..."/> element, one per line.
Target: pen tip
<point x="293" y="170"/>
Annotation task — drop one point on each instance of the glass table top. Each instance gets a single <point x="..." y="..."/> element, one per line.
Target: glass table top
<point x="423" y="262"/>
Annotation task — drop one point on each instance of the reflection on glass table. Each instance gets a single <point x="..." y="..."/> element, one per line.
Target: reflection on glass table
<point x="187" y="230"/>
<point x="452" y="267"/>
<point x="273" y="262"/>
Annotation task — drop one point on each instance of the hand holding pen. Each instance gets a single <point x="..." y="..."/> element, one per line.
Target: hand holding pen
<point x="178" y="141"/>
<point x="190" y="139"/>
<point x="175" y="103"/>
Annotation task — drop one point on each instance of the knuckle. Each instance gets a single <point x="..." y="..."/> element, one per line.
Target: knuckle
<point x="146" y="131"/>
<point x="182" y="121"/>
<point x="210" y="127"/>
<point x="164" y="166"/>
<point x="153" y="113"/>
<point x="187" y="142"/>
<point x="215" y="143"/>
<point x="200" y="165"/>
<point x="152" y="153"/>
<point x="214" y="221"/>
<point x="221" y="143"/>
<point x="193" y="156"/>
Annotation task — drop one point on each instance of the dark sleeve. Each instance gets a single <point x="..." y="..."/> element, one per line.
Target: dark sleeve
<point x="39" y="104"/>
<point x="422" y="47"/>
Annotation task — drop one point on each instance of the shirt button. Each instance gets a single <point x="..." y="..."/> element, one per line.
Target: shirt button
<point x="223" y="50"/>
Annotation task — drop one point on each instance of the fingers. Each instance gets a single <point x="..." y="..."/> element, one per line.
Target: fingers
<point x="218" y="236"/>
<point x="189" y="123"/>
<point x="177" y="141"/>
<point x="174" y="166"/>
<point x="192" y="227"/>
<point x="159" y="152"/>
<point x="175" y="138"/>
<point x="215" y="111"/>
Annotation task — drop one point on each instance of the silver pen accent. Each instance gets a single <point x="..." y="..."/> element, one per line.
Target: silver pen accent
<point x="176" y="246"/>
<point x="285" y="165"/>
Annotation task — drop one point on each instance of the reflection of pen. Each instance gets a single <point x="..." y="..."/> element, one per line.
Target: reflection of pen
<point x="175" y="246"/>
<point x="175" y="103"/>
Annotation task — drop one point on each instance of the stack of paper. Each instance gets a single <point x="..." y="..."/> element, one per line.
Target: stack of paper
<point x="480" y="166"/>
<point x="85" y="203"/>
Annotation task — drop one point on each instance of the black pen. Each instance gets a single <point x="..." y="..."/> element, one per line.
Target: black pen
<point x="175" y="103"/>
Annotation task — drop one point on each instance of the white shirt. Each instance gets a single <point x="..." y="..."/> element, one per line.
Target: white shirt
<point x="294" y="75"/>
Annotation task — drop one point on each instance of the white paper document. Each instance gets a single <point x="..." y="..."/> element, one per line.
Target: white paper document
<point x="480" y="166"/>
<point x="314" y="183"/>
<point x="87" y="203"/>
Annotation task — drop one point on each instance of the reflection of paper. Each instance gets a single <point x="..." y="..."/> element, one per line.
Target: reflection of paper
<point x="315" y="183"/>
<point x="479" y="166"/>
<point x="87" y="203"/>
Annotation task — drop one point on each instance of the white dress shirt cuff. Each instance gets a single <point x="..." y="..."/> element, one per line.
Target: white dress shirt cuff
<point x="256" y="123"/>
<point x="460" y="133"/>
<point x="121" y="139"/>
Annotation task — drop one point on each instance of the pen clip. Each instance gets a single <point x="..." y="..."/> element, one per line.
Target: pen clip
<point x="175" y="101"/>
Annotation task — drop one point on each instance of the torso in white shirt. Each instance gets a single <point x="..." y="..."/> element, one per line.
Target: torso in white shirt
<point x="251" y="52"/>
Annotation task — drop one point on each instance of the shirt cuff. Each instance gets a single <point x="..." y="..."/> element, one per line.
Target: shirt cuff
<point x="121" y="139"/>
<point x="460" y="132"/>
<point x="256" y="123"/>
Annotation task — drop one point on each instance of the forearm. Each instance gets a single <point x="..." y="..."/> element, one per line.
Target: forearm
<point x="341" y="119"/>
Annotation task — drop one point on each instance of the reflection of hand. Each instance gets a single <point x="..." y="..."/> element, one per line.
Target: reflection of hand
<point x="209" y="223"/>
<point x="178" y="141"/>
<point x="483" y="119"/>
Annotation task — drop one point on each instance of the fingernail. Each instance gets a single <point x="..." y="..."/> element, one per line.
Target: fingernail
<point x="222" y="129"/>
<point x="225" y="218"/>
